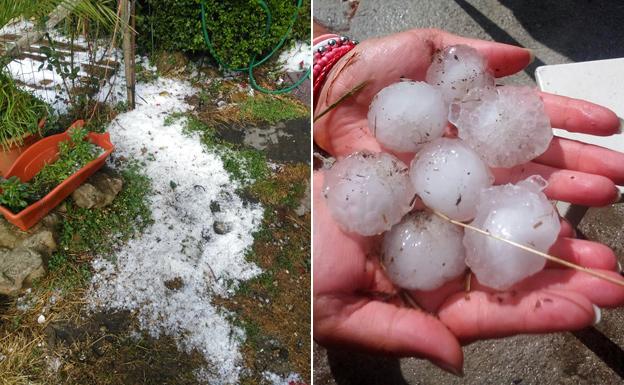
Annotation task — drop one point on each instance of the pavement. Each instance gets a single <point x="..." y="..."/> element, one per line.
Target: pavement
<point x="558" y="31"/>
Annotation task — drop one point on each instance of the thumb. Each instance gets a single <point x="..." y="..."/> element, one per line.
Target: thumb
<point x="380" y="327"/>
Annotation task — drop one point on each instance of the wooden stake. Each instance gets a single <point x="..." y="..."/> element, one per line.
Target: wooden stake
<point x="127" y="15"/>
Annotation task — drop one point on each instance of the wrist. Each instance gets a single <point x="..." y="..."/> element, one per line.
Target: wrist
<point x="328" y="49"/>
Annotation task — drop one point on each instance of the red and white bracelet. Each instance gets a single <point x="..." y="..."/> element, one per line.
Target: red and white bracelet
<point x="327" y="50"/>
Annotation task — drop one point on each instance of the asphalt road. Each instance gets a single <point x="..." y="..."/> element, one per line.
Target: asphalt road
<point x="562" y="31"/>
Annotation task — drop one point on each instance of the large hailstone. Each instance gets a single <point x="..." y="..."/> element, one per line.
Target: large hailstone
<point x="407" y="114"/>
<point x="449" y="176"/>
<point x="456" y="70"/>
<point x="507" y="125"/>
<point x="520" y="213"/>
<point x="367" y="193"/>
<point x="423" y="251"/>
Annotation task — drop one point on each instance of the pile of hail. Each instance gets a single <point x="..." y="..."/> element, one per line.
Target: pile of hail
<point x="373" y="193"/>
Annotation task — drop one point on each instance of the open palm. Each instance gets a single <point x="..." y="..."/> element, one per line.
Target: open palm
<point x="353" y="302"/>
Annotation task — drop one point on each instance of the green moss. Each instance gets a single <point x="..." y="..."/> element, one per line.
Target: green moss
<point x="244" y="165"/>
<point x="271" y="110"/>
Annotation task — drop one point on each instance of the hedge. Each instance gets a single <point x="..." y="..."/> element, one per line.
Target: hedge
<point x="235" y="27"/>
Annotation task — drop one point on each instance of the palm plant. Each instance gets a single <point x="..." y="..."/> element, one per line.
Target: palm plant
<point x="21" y="112"/>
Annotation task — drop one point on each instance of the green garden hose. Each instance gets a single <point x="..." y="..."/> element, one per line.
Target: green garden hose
<point x="253" y="64"/>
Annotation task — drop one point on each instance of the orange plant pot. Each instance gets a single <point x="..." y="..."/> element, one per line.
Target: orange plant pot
<point x="32" y="161"/>
<point x="9" y="155"/>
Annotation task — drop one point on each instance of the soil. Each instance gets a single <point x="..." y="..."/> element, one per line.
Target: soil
<point x="75" y="347"/>
<point x="275" y="310"/>
<point x="105" y="350"/>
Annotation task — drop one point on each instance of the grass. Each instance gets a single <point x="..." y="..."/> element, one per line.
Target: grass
<point x="20" y="112"/>
<point x="267" y="109"/>
<point x="273" y="307"/>
<point x="243" y="164"/>
<point x="22" y="339"/>
<point x="282" y="249"/>
<point x="85" y="230"/>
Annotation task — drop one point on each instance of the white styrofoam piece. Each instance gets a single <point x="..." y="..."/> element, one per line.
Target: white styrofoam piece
<point x="600" y="82"/>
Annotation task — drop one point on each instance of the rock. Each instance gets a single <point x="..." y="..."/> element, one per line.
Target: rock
<point x="98" y="192"/>
<point x="221" y="227"/>
<point x="107" y="184"/>
<point x="174" y="284"/>
<point x="19" y="267"/>
<point x="206" y="234"/>
<point x="221" y="103"/>
<point x="169" y="63"/>
<point x="9" y="236"/>
<point x="86" y="196"/>
<point x="215" y="207"/>
<point x="62" y="208"/>
<point x="53" y="219"/>
<point x="42" y="242"/>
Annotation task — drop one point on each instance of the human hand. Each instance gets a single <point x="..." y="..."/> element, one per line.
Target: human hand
<point x="346" y="270"/>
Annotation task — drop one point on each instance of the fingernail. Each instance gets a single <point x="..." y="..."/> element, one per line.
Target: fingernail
<point x="618" y="196"/>
<point x="619" y="265"/>
<point x="597" y="314"/>
<point x="532" y="56"/>
<point x="449" y="368"/>
<point x="621" y="126"/>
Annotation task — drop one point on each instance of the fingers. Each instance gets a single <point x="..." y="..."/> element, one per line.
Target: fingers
<point x="355" y="270"/>
<point x="598" y="291"/>
<point x="566" y="229"/>
<point x="503" y="59"/>
<point x="384" y="328"/>
<point x="580" y="116"/>
<point x="584" y="253"/>
<point x="491" y="315"/>
<point x="565" y="185"/>
<point x="569" y="154"/>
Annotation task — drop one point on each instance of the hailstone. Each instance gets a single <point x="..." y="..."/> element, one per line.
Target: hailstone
<point x="507" y="125"/>
<point x="449" y="176"/>
<point x="423" y="251"/>
<point x="367" y="193"/>
<point x="407" y="114"/>
<point x="520" y="213"/>
<point x="456" y="70"/>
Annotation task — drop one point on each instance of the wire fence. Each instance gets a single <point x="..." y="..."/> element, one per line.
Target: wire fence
<point x="68" y="67"/>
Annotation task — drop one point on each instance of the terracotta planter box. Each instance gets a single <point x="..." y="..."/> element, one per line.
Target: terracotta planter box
<point x="31" y="161"/>
<point x="9" y="155"/>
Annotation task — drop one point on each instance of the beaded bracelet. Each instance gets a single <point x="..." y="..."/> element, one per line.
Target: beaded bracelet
<point x="327" y="52"/>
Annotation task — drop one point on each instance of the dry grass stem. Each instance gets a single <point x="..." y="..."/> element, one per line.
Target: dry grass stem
<point x="548" y="257"/>
<point x="347" y="95"/>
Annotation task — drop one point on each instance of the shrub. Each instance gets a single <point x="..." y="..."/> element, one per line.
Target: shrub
<point x="20" y="112"/>
<point x="236" y="28"/>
